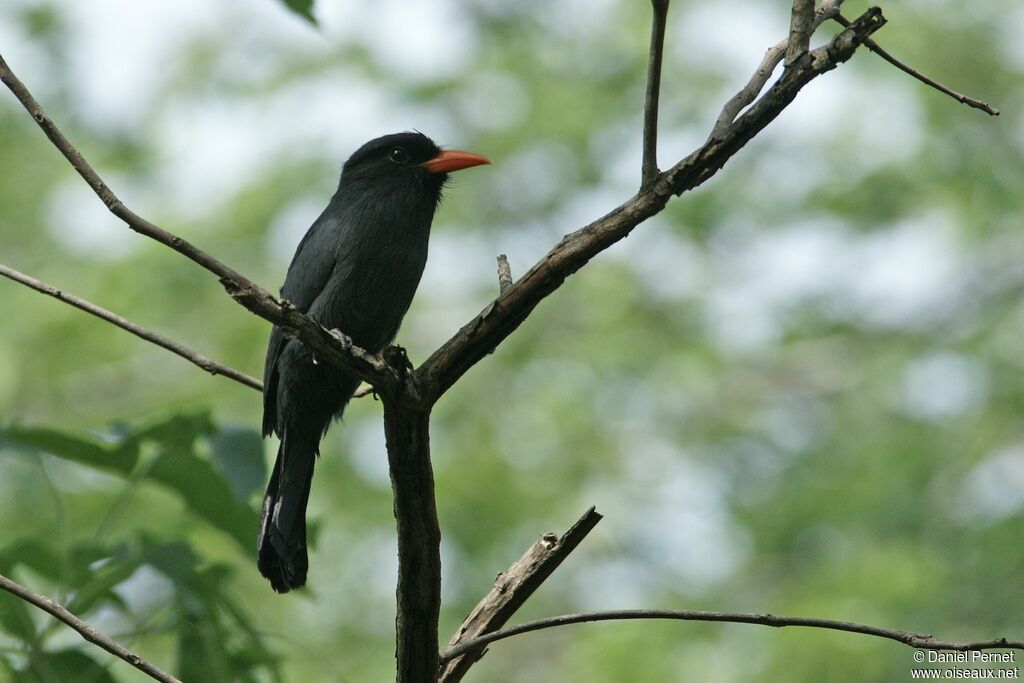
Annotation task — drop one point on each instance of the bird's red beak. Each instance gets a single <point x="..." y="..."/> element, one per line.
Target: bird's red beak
<point x="454" y="160"/>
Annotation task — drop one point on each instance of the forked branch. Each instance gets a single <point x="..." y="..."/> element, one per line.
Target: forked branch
<point x="511" y="589"/>
<point x="502" y="316"/>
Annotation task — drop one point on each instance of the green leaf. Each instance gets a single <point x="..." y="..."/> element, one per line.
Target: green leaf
<point x="207" y="494"/>
<point x="238" y="453"/>
<point x="15" y="615"/>
<point x="95" y="581"/>
<point x="304" y="8"/>
<point x="16" y="619"/>
<point x="180" y="430"/>
<point x="176" y="560"/>
<point x="117" y="457"/>
<point x="216" y="639"/>
<point x="65" y="665"/>
<point x="207" y="490"/>
<point x="34" y="554"/>
<point x="204" y="489"/>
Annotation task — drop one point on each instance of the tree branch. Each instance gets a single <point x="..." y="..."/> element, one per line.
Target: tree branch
<point x="915" y="640"/>
<point x="695" y="169"/>
<point x="502" y="316"/>
<point x="333" y="348"/>
<point x="829" y="10"/>
<point x="649" y="164"/>
<point x="406" y="431"/>
<point x="85" y="630"/>
<point x="801" y="26"/>
<point x="504" y="274"/>
<point x="959" y="97"/>
<point x="210" y="366"/>
<point x="512" y="588"/>
<point x="408" y="398"/>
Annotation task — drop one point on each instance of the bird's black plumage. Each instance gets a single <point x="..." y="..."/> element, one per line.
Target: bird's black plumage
<point x="355" y="270"/>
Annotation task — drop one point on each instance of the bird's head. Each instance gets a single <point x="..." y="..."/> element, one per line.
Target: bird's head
<point x="407" y="158"/>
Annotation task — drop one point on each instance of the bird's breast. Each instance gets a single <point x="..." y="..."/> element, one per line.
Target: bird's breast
<point x="371" y="289"/>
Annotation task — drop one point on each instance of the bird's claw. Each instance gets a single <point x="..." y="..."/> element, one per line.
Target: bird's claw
<point x="396" y="357"/>
<point x="346" y="341"/>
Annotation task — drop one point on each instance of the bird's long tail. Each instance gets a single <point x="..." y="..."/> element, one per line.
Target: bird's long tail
<point x="282" y="542"/>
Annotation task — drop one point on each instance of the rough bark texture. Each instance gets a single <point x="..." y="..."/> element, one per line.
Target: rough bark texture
<point x="406" y="430"/>
<point x="512" y="588"/>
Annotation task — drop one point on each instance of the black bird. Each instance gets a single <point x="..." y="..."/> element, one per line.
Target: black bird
<point x="356" y="270"/>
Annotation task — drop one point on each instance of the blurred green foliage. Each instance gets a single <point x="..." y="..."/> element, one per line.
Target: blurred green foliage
<point x="799" y="390"/>
<point x="304" y="8"/>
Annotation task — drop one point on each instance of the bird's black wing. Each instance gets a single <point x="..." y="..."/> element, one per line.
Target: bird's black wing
<point x="308" y="274"/>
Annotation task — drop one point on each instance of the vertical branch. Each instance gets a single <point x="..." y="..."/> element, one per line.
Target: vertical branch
<point x="801" y="26"/>
<point x="406" y="430"/>
<point x="650" y="143"/>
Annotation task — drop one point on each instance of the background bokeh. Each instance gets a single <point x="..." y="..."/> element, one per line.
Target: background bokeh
<point x="799" y="390"/>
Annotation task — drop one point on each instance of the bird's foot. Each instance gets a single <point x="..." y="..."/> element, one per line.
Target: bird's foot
<point x="346" y="341"/>
<point x="396" y="357"/>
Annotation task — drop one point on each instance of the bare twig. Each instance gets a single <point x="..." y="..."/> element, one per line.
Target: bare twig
<point x="801" y="26"/>
<point x="828" y="10"/>
<point x="504" y="274"/>
<point x="502" y="316"/>
<point x="915" y="640"/>
<point x="959" y="97"/>
<point x="330" y="347"/>
<point x="649" y="165"/>
<point x="706" y="161"/>
<point x="85" y="630"/>
<point x="511" y="589"/>
<point x="210" y="366"/>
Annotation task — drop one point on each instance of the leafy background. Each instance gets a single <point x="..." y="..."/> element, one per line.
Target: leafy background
<point x="799" y="390"/>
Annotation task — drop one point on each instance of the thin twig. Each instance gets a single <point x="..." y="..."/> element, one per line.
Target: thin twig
<point x="103" y="191"/>
<point x="959" y="97"/>
<point x="801" y="27"/>
<point x="511" y="589"/>
<point x="328" y="346"/>
<point x="649" y="165"/>
<point x="85" y="630"/>
<point x="210" y="366"/>
<point x="828" y="10"/>
<point x="915" y="640"/>
<point x="504" y="274"/>
<point x="500" y="318"/>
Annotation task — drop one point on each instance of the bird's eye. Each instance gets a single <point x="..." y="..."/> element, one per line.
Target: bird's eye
<point x="398" y="155"/>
